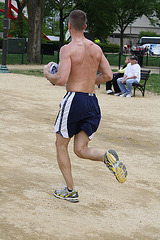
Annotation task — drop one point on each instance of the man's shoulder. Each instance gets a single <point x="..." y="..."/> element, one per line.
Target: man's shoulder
<point x="137" y="66"/>
<point x="128" y="65"/>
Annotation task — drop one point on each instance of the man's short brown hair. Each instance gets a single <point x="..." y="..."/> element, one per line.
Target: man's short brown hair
<point x="77" y="18"/>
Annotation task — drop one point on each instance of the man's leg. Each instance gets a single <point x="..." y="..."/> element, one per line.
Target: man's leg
<point x="82" y="150"/>
<point x="64" y="160"/>
<point x="115" y="84"/>
<point x="108" y="85"/>
<point x="121" y="85"/>
<point x="110" y="158"/>
<point x="129" y="83"/>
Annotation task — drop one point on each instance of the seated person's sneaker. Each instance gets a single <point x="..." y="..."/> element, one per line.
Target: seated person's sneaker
<point x="71" y="196"/>
<point x="109" y="91"/>
<point x="117" y="94"/>
<point x="129" y="95"/>
<point x="123" y="95"/>
<point x="111" y="160"/>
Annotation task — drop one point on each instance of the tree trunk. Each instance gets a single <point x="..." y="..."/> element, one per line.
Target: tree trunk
<point x="35" y="10"/>
<point x="61" y="29"/>
<point x="121" y="40"/>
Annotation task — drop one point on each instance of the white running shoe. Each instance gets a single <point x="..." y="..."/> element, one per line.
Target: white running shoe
<point x="109" y="91"/>
<point x="117" y="94"/>
<point x="123" y="95"/>
<point x="129" y="95"/>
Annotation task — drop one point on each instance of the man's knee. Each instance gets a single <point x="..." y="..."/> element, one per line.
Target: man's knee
<point x="119" y="80"/>
<point x="128" y="83"/>
<point x="61" y="144"/>
<point x="78" y="150"/>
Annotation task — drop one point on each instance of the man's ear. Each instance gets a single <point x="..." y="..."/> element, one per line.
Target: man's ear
<point x="85" y="26"/>
<point x="69" y="25"/>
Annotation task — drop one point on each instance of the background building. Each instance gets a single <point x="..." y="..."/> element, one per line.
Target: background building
<point x="132" y="31"/>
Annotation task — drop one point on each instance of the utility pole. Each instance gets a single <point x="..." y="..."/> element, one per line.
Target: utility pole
<point x="4" y="68"/>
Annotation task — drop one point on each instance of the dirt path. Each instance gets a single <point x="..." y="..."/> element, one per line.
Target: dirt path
<point x="29" y="172"/>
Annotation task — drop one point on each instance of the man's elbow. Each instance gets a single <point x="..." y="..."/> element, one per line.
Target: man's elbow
<point x="109" y="77"/>
<point x="61" y="81"/>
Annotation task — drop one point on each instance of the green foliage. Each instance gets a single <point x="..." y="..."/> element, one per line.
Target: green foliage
<point x="14" y="31"/>
<point x="1" y="17"/>
<point x="100" y="20"/>
<point x="109" y="47"/>
<point x="157" y="9"/>
<point x="147" y="34"/>
<point x="1" y="42"/>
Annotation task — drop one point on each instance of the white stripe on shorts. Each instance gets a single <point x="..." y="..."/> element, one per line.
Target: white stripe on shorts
<point x="61" y="121"/>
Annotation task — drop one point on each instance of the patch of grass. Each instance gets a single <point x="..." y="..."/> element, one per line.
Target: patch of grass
<point x="17" y="58"/>
<point x="153" y="83"/>
<point x="35" y="72"/>
<point x="112" y="58"/>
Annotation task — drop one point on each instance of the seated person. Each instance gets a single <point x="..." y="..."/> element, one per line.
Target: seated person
<point x="132" y="75"/>
<point x="116" y="75"/>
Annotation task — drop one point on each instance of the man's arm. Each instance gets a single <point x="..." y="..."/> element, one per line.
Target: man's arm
<point x="106" y="72"/>
<point x="61" y="77"/>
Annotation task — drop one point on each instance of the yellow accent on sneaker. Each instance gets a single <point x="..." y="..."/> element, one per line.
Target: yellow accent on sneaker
<point x="121" y="174"/>
<point x="111" y="160"/>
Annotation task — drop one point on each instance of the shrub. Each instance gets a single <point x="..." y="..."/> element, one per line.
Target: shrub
<point x="148" y="34"/>
<point x="109" y="47"/>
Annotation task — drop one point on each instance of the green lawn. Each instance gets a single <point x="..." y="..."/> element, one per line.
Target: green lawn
<point x="153" y="83"/>
<point x="17" y="58"/>
<point x="112" y="58"/>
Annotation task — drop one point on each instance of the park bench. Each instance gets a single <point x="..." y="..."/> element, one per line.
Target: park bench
<point x="142" y="84"/>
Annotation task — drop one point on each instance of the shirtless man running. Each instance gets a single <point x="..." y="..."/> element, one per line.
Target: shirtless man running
<point x="79" y="113"/>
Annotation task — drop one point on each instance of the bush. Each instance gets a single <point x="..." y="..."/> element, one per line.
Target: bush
<point x="54" y="43"/>
<point x="148" y="34"/>
<point x="1" y="42"/>
<point x="109" y="47"/>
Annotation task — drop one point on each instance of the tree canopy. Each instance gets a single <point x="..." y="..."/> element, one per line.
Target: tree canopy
<point x="104" y="16"/>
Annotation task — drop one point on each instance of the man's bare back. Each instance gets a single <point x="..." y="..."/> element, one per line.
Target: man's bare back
<point x="79" y="62"/>
<point x="85" y="58"/>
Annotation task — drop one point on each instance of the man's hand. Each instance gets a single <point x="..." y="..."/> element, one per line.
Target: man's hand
<point x="123" y="80"/>
<point x="46" y="69"/>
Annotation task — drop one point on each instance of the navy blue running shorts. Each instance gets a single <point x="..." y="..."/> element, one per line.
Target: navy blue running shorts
<point x="78" y="112"/>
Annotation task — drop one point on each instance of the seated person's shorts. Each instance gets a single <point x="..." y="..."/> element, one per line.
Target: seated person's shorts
<point x="78" y="112"/>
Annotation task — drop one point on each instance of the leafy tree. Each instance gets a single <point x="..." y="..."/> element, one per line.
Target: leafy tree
<point x="64" y="7"/>
<point x="126" y="12"/>
<point x="1" y="17"/>
<point x="157" y="10"/>
<point x="104" y="16"/>
<point x="20" y="21"/>
<point x="100" y="19"/>
<point x="35" y="10"/>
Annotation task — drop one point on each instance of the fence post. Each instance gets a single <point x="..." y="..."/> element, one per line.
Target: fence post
<point x="4" y="68"/>
<point x="147" y="59"/>
<point x="119" y="59"/>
